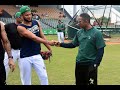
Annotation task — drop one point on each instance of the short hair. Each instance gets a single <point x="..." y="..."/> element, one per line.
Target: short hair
<point x="85" y="16"/>
<point x="59" y="21"/>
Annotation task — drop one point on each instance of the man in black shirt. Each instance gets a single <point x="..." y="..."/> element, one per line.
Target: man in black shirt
<point x="5" y="44"/>
<point x="15" y="41"/>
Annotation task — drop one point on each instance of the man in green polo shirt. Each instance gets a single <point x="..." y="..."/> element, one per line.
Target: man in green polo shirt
<point x="60" y="31"/>
<point x="91" y="49"/>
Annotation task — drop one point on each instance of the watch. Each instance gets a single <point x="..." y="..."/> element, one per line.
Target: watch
<point x="10" y="57"/>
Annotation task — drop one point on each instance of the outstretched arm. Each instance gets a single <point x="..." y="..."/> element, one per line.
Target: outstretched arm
<point x="64" y="45"/>
<point x="26" y="33"/>
<point x="67" y="45"/>
<point x="43" y="37"/>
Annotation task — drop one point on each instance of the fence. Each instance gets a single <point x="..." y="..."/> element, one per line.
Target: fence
<point x="50" y="29"/>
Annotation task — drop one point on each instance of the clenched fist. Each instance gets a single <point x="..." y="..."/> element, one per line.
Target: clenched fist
<point x="56" y="43"/>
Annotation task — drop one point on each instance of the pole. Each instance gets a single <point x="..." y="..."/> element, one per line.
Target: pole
<point x="63" y="8"/>
<point x="74" y="9"/>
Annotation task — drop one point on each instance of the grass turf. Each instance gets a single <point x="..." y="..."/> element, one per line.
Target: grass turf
<point x="61" y="69"/>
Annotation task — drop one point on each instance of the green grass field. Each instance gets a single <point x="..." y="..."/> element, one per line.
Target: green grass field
<point x="61" y="68"/>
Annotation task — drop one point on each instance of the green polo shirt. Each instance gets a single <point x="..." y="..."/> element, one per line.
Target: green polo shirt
<point x="89" y="41"/>
<point x="60" y="27"/>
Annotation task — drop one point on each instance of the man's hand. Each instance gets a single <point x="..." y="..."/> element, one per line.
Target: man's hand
<point x="54" y="43"/>
<point x="46" y="54"/>
<point x="11" y="64"/>
<point x="57" y="44"/>
<point x="51" y="42"/>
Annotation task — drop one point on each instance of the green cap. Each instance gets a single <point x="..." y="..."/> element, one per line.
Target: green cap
<point x="24" y="9"/>
<point x="17" y="14"/>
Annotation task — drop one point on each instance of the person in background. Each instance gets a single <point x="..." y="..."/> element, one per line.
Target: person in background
<point x="64" y="28"/>
<point x="60" y="30"/>
<point x="5" y="46"/>
<point x="15" y="40"/>
<point x="36" y="16"/>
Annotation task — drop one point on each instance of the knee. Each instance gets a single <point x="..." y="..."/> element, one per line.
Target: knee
<point x="44" y="77"/>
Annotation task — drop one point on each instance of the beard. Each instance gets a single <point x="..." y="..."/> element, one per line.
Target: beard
<point x="27" y="20"/>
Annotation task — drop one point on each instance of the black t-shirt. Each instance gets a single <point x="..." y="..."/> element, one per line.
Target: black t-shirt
<point x="13" y="35"/>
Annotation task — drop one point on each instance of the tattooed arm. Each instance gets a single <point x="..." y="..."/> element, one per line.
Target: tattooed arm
<point x="7" y="47"/>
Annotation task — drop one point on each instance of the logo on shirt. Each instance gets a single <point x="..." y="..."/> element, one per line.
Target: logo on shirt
<point x="89" y="37"/>
<point x="34" y="29"/>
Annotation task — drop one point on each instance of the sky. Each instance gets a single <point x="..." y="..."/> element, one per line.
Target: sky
<point x="69" y="8"/>
<point x="97" y="13"/>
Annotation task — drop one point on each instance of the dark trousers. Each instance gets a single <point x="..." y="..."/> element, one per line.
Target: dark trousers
<point x="2" y="72"/>
<point x="85" y="74"/>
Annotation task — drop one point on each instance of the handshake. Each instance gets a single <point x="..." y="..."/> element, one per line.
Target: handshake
<point x="54" y="43"/>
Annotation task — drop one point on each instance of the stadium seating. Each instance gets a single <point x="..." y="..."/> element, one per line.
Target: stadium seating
<point x="11" y="9"/>
<point x="48" y="22"/>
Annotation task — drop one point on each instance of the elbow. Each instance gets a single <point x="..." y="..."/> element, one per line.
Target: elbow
<point x="6" y="42"/>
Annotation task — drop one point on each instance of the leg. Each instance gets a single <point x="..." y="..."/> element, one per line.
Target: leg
<point x="21" y="74"/>
<point x="81" y="74"/>
<point x="58" y="34"/>
<point x="40" y="68"/>
<point x="62" y="36"/>
<point x="93" y="76"/>
<point x="25" y="70"/>
<point x="7" y="69"/>
<point x="2" y="73"/>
